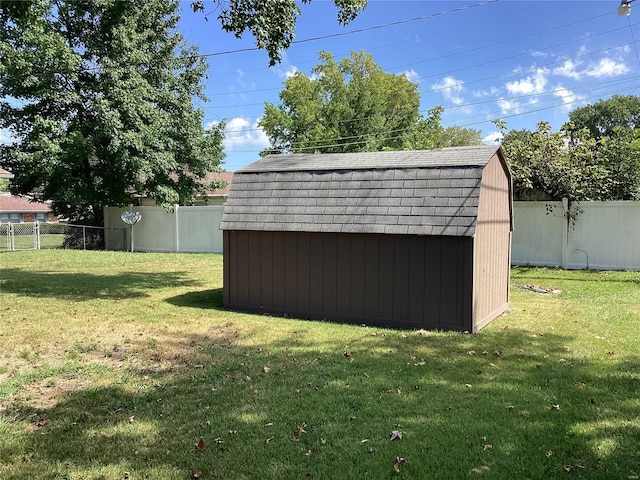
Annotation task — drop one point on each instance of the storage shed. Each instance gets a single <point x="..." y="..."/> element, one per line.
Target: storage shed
<point x="411" y="239"/>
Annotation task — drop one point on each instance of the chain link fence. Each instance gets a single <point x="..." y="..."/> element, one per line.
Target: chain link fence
<point x="36" y="236"/>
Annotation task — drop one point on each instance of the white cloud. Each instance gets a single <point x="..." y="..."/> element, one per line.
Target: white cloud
<point x="606" y="67"/>
<point x="451" y="89"/>
<point x="493" y="91"/>
<point x="569" y="98"/>
<point x="240" y="132"/>
<point x="493" y="138"/>
<point x="569" y="69"/>
<point x="285" y="72"/>
<point x="412" y="75"/>
<point x="509" y="106"/>
<point x="532" y="84"/>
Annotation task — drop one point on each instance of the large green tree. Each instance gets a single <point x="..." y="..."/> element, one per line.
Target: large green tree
<point x="99" y="97"/>
<point x="346" y="106"/>
<point x="352" y="105"/>
<point x="606" y="118"/>
<point x="572" y="164"/>
<point x="614" y="125"/>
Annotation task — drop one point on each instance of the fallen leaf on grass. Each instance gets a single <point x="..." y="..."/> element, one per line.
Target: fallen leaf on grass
<point x="42" y="423"/>
<point x="309" y="453"/>
<point x="268" y="441"/>
<point x="487" y="446"/>
<point x="555" y="406"/>
<point x="197" y="474"/>
<point x="132" y="418"/>
<point x="549" y="453"/>
<point x="397" y="462"/>
<point x="201" y="445"/>
<point x="346" y="354"/>
<point x="266" y="369"/>
<point x="106" y="435"/>
<point x="481" y="469"/>
<point x="298" y="431"/>
<point x="396" y="435"/>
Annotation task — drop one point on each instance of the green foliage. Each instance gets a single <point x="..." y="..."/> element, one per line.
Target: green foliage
<point x="99" y="96"/>
<point x="346" y="106"/>
<point x="429" y="133"/>
<point x="352" y="106"/>
<point x="605" y="118"/>
<point x="595" y="156"/>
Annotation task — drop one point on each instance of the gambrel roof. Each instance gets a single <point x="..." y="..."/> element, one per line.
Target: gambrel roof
<point x="423" y="192"/>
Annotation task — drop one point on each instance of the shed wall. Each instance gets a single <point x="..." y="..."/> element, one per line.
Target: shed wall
<point x="492" y="246"/>
<point x="394" y="280"/>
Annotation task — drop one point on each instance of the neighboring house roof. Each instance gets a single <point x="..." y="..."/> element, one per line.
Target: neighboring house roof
<point x="424" y="192"/>
<point x="13" y="204"/>
<point x="5" y="173"/>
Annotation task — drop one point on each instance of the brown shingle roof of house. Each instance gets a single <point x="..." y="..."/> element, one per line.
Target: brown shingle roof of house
<point x="5" y="173"/>
<point x="425" y="192"/>
<point x="10" y="203"/>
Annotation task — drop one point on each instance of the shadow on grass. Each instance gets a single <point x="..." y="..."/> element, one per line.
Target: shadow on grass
<point x="87" y="286"/>
<point x="302" y="408"/>
<point x="200" y="299"/>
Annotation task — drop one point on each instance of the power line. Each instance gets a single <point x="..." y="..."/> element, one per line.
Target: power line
<point x="360" y="30"/>
<point x="313" y="145"/>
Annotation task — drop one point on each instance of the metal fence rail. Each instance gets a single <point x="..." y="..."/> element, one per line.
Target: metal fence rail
<point x="36" y="236"/>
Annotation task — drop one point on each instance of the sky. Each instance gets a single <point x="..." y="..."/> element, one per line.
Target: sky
<point x="520" y="61"/>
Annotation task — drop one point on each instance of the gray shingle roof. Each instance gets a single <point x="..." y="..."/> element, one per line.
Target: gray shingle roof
<point x="424" y="192"/>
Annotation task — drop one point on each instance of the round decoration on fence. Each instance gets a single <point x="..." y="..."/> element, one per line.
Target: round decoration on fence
<point x="131" y="218"/>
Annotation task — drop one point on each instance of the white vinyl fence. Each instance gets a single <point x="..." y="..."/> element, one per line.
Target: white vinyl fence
<point x="595" y="235"/>
<point x="186" y="229"/>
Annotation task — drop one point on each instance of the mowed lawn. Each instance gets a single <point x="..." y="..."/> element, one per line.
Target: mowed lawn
<point x="126" y="366"/>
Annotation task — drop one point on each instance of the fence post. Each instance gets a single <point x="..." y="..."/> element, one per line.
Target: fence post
<point x="176" y="224"/>
<point x="11" y="240"/>
<point x="84" y="237"/>
<point x="565" y="233"/>
<point x="36" y="235"/>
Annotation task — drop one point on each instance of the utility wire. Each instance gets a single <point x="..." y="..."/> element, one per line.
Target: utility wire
<point x="360" y="30"/>
<point x="350" y="140"/>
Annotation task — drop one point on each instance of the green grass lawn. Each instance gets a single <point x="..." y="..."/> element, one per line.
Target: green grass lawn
<point x="117" y="365"/>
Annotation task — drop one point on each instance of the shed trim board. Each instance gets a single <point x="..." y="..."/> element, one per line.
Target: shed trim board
<point x="417" y="239"/>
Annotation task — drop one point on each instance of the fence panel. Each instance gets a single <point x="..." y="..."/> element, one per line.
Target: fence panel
<point x="538" y="229"/>
<point x="186" y="229"/>
<point x="596" y="235"/>
<point x="605" y="236"/>
<point x="40" y="235"/>
<point x="199" y="229"/>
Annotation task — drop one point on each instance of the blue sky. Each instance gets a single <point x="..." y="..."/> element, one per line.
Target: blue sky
<point x="522" y="61"/>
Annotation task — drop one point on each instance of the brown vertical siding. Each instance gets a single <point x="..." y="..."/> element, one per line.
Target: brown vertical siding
<point x="492" y="249"/>
<point x="394" y="280"/>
